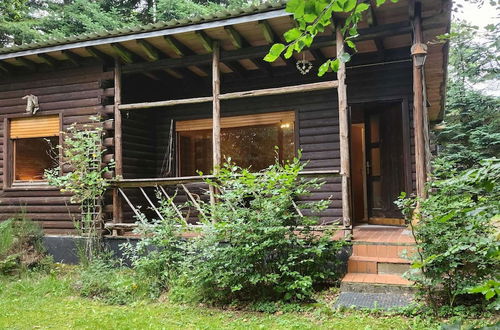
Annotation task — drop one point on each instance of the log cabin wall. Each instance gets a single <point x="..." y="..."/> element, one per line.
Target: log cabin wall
<point x="316" y="118"/>
<point x="74" y="93"/>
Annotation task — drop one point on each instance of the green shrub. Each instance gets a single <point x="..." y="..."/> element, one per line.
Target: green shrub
<point x="21" y="245"/>
<point x="254" y="245"/>
<point x="457" y="236"/>
<point x="106" y="280"/>
<point x="156" y="258"/>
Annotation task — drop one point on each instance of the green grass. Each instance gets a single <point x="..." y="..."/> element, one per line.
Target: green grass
<point x="48" y="301"/>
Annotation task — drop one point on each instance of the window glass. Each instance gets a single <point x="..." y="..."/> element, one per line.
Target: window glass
<point x="32" y="156"/>
<point x="248" y="146"/>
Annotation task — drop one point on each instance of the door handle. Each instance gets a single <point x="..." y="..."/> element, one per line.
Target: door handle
<point x="368" y="168"/>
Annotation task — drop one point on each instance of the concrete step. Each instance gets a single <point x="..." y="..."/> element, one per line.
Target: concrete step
<point x="384" y="301"/>
<point x="377" y="265"/>
<point x="375" y="283"/>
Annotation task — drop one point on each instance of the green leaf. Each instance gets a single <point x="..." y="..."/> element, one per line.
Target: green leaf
<point x="380" y="2"/>
<point x="361" y="8"/>
<point x="335" y="65"/>
<point x="351" y="44"/>
<point x="349" y="5"/>
<point x="345" y="57"/>
<point x="274" y="52"/>
<point x="292" y="34"/>
<point x="324" y="68"/>
<point x="289" y="52"/>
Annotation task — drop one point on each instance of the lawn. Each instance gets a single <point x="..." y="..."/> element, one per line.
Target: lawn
<point x="48" y="301"/>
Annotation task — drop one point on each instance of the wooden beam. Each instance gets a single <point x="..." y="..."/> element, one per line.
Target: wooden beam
<point x="150" y="51"/>
<point x="281" y="90"/>
<point x="418" y="108"/>
<point x="96" y="53"/>
<point x="372" y="21"/>
<point x="235" y="37"/>
<point x="26" y="63"/>
<point x="117" y="202"/>
<point x="259" y="51"/>
<point x="205" y="40"/>
<point x="72" y="57"/>
<point x="239" y="42"/>
<point x="235" y="95"/>
<point x="145" y="105"/>
<point x="118" y="119"/>
<point x="47" y="60"/>
<point x="216" y="142"/>
<point x="123" y="53"/>
<point x="178" y="47"/>
<point x="267" y="31"/>
<point x="345" y="167"/>
<point x="271" y="37"/>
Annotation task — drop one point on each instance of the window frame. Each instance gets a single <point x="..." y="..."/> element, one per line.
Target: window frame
<point x="229" y="121"/>
<point x="8" y="155"/>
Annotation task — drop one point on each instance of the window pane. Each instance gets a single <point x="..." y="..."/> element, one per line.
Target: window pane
<point x="248" y="146"/>
<point x="33" y="156"/>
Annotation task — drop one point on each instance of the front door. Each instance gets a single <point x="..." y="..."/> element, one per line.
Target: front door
<point x="384" y="162"/>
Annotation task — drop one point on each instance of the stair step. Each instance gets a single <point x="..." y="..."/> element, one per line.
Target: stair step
<point x="382" y="250"/>
<point x="381" y="260"/>
<point x="375" y="283"/>
<point x="377" y="265"/>
<point x="390" y="279"/>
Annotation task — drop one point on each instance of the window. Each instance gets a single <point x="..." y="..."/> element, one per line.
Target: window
<point x="34" y="142"/>
<point x="248" y="140"/>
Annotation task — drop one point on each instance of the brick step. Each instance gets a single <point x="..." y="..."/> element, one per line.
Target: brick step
<point x="375" y="283"/>
<point x="383" y="251"/>
<point x="377" y="265"/>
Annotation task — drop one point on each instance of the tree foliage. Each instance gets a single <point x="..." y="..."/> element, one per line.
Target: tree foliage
<point x="472" y="117"/>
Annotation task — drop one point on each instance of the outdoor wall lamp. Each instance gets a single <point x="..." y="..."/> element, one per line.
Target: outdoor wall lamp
<point x="419" y="54"/>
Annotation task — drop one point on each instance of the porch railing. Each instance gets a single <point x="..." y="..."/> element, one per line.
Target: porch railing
<point x="117" y="226"/>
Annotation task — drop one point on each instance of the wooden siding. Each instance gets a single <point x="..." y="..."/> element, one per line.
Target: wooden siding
<point x="76" y="94"/>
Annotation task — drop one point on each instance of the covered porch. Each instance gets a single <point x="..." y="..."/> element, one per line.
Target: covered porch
<point x="193" y="95"/>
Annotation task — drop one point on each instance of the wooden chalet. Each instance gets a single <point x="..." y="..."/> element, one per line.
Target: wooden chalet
<point x="179" y="96"/>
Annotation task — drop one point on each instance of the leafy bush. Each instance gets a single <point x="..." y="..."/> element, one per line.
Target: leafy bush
<point x="20" y="245"/>
<point x="254" y="245"/>
<point x="457" y="235"/>
<point x="106" y="280"/>
<point x="157" y="256"/>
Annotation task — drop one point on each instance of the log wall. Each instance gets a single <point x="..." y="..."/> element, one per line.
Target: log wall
<point x="77" y="94"/>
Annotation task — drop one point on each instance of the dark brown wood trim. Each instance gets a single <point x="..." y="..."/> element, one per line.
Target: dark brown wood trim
<point x="406" y="145"/>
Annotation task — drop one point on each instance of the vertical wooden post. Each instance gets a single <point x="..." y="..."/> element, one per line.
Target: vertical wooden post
<point x="216" y="107"/>
<point x="418" y="108"/>
<point x="216" y="149"/>
<point x="117" y="202"/>
<point x="345" y="166"/>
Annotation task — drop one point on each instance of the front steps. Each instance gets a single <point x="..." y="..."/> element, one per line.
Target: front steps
<point x="375" y="268"/>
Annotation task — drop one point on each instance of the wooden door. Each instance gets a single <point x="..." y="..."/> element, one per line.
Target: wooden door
<point x="385" y="163"/>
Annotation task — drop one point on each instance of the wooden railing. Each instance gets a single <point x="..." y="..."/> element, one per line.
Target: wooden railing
<point x="116" y="227"/>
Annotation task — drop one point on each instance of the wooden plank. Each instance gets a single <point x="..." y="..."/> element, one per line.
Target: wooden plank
<point x="345" y="169"/>
<point x="47" y="60"/>
<point x="145" y="105"/>
<point x="150" y="51"/>
<point x="123" y="53"/>
<point x="206" y="41"/>
<point x="118" y="152"/>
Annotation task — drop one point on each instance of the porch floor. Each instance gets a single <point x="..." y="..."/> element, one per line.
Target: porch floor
<point x="383" y="234"/>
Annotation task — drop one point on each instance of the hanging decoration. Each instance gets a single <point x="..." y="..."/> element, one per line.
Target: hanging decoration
<point x="304" y="66"/>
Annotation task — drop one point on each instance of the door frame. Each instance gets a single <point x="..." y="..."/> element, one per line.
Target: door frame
<point x="407" y="152"/>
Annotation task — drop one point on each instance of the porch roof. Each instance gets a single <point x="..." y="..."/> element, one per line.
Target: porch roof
<point x="245" y="36"/>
